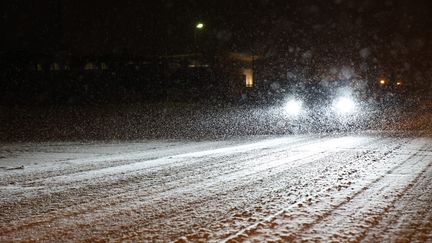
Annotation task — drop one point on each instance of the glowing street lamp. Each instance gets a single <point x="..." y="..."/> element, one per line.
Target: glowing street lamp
<point x="198" y="28"/>
<point x="199" y="25"/>
<point x="382" y="81"/>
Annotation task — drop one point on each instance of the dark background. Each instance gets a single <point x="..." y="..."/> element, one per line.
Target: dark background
<point x="396" y="35"/>
<point x="149" y="27"/>
<point x="390" y="39"/>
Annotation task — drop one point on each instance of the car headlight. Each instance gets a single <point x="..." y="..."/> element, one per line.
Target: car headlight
<point x="344" y="105"/>
<point x="293" y="107"/>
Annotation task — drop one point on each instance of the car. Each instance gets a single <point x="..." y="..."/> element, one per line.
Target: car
<point x="325" y="106"/>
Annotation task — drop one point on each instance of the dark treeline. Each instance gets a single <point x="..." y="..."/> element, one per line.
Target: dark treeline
<point x="113" y="80"/>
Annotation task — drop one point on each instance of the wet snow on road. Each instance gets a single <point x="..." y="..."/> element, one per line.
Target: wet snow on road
<point x="370" y="187"/>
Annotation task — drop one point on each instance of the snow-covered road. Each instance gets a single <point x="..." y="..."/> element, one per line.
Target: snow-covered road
<point x="370" y="187"/>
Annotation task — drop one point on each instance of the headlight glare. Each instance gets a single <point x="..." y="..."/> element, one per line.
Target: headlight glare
<point x="344" y="105"/>
<point x="293" y="107"/>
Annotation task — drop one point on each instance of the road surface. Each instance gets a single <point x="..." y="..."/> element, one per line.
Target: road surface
<point x="369" y="187"/>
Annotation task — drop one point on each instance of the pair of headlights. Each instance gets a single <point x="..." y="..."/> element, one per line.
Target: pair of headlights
<point x="341" y="105"/>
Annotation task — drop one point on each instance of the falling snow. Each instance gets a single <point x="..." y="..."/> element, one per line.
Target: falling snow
<point x="329" y="187"/>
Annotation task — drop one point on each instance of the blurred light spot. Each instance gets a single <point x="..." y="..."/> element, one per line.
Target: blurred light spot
<point x="200" y="25"/>
<point x="248" y="74"/>
<point x="344" y="105"/>
<point x="293" y="107"/>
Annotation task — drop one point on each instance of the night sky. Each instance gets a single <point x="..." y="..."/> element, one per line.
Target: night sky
<point x="148" y="26"/>
<point x="397" y="33"/>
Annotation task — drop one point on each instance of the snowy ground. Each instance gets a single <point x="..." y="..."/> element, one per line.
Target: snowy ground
<point x="370" y="186"/>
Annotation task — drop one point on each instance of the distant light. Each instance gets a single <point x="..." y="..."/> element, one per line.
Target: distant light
<point x="200" y="26"/>
<point x="293" y="107"/>
<point x="344" y="105"/>
<point x="398" y="83"/>
<point x="382" y="81"/>
<point x="248" y="75"/>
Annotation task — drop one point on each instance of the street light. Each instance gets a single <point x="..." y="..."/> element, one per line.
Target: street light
<point x="199" y="25"/>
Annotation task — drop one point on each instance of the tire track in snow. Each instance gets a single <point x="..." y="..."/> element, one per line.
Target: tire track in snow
<point x="132" y="192"/>
<point x="245" y="212"/>
<point x="307" y="219"/>
<point x="106" y="163"/>
<point x="117" y="179"/>
<point x="252" y="228"/>
<point x="103" y="161"/>
<point x="195" y="190"/>
<point x="369" y="214"/>
<point x="318" y="142"/>
<point x="411" y="213"/>
<point x="147" y="173"/>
